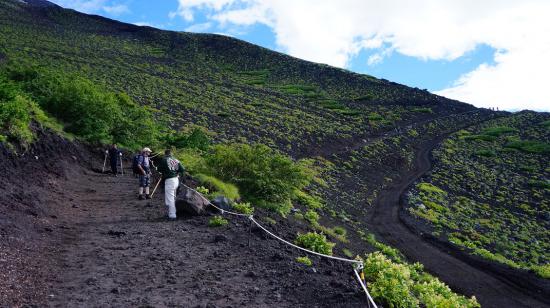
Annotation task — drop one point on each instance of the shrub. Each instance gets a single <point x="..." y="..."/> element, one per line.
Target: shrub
<point x="347" y="253"/>
<point x="217" y="221"/>
<point x="389" y="282"/>
<point x="312" y="217"/>
<point x="202" y="190"/>
<point x="498" y="130"/>
<point x="542" y="270"/>
<point x="340" y="231"/>
<point x="315" y="242"/>
<point x="530" y="146"/>
<point x="87" y="109"/>
<point x="422" y="110"/>
<point x="15" y="119"/>
<point x="244" y="208"/>
<point x="197" y="139"/>
<point x="373" y="116"/>
<point x="311" y="202"/>
<point x="218" y="187"/>
<point x="430" y="189"/>
<point x="263" y="175"/>
<point x="405" y="285"/>
<point x="480" y="137"/>
<point x="304" y="260"/>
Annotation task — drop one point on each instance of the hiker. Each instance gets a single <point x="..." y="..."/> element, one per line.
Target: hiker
<point x="135" y="162"/>
<point x="170" y="168"/>
<point x="144" y="170"/>
<point x="114" y="155"/>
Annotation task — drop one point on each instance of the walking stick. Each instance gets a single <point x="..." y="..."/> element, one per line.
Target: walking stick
<point x="104" y="162"/>
<point x="157" y="185"/>
<point x="121" y="168"/>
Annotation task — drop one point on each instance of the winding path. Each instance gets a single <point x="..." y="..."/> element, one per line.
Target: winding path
<point x="490" y="289"/>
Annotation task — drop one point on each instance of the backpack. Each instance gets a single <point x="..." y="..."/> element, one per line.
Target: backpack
<point x="135" y="164"/>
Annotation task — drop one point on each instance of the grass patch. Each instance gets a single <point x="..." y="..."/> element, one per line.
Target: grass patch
<point x="304" y="260"/>
<point x="217" y="221"/>
<point x="422" y="110"/>
<point x="315" y="242"/>
<point x="499" y="130"/>
<point x="530" y="146"/>
<point x="243" y="208"/>
<point x="218" y="187"/>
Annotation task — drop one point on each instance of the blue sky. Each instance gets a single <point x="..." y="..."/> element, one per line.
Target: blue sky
<point x="490" y="55"/>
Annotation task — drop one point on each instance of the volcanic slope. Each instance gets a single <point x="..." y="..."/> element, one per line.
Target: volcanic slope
<point x="235" y="89"/>
<point x="368" y="130"/>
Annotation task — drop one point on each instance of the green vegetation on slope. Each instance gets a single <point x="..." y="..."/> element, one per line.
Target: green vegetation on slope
<point x="489" y="191"/>
<point x="239" y="91"/>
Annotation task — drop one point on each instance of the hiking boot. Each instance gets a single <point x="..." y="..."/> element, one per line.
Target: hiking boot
<point x="147" y="196"/>
<point x="140" y="197"/>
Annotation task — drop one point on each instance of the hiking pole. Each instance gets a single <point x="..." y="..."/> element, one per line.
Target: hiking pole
<point x="121" y="168"/>
<point x="157" y="185"/>
<point x="104" y="162"/>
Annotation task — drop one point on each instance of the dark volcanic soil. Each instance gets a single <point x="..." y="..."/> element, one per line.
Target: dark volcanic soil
<point x="491" y="288"/>
<point x="92" y="243"/>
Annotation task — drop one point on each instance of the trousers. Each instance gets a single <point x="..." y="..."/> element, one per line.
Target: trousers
<point x="170" y="187"/>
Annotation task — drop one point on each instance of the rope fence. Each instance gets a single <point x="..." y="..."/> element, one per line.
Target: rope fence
<point x="356" y="264"/>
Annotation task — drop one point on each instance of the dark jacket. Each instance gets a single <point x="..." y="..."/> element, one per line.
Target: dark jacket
<point x="170" y="167"/>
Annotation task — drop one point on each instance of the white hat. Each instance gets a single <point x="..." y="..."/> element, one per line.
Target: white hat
<point x="146" y="150"/>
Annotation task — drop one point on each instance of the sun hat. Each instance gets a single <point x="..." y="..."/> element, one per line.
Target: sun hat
<point x="146" y="150"/>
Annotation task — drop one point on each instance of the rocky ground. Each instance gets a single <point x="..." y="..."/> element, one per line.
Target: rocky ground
<point x="90" y="242"/>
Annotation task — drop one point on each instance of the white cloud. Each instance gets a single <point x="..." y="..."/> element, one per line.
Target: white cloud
<point x="333" y="32"/>
<point x="85" y="6"/>
<point x="202" y="27"/>
<point x="116" y="9"/>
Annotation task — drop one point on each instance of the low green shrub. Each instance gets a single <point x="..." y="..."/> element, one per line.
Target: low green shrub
<point x="312" y="217"/>
<point x="196" y="139"/>
<point x="218" y="187"/>
<point x="217" y="221"/>
<point x="430" y="189"/>
<point x="244" y="208"/>
<point x="348" y="253"/>
<point x="530" y="146"/>
<point x="499" y="130"/>
<point x="542" y="270"/>
<point x="311" y="202"/>
<point x="406" y="285"/>
<point x="539" y="184"/>
<point x="340" y="231"/>
<point x="264" y="176"/>
<point x="422" y="110"/>
<point x="86" y="108"/>
<point x="304" y="260"/>
<point x="315" y="242"/>
<point x="480" y="137"/>
<point x="203" y="190"/>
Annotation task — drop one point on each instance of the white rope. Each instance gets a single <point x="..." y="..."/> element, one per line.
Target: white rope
<point x="362" y="283"/>
<point x="357" y="264"/>
<point x="301" y="248"/>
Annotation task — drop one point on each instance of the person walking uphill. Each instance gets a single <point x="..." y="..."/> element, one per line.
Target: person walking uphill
<point x="170" y="168"/>
<point x="144" y="167"/>
<point x="114" y="155"/>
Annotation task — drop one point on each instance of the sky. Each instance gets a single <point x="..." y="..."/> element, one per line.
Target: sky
<point x="491" y="53"/>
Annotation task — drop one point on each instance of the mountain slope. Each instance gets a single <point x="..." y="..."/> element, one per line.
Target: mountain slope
<point x="362" y="133"/>
<point x="234" y="88"/>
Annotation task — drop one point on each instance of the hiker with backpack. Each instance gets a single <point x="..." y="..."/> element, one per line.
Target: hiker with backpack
<point x="143" y="169"/>
<point x="171" y="169"/>
<point x="114" y="155"/>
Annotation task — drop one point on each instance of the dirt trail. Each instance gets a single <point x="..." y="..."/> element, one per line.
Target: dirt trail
<point x="116" y="251"/>
<point x="490" y="289"/>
